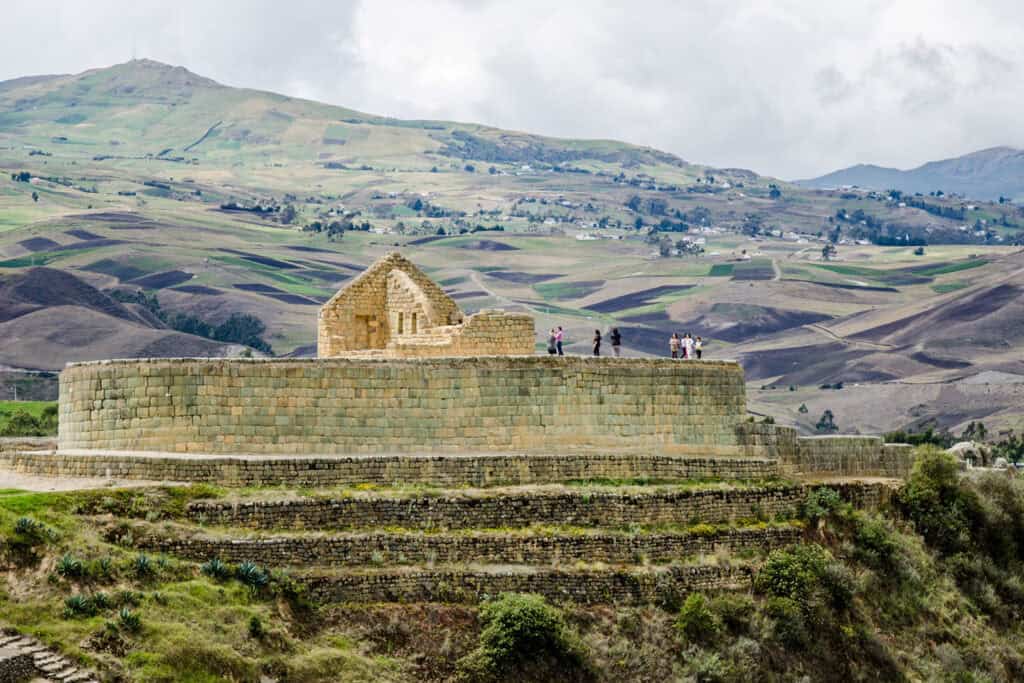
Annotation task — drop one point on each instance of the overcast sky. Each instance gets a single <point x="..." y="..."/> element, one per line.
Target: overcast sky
<point x="791" y="88"/>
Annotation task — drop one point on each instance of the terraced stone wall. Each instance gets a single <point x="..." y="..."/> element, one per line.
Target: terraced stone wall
<point x="389" y="548"/>
<point x="339" y="405"/>
<point x="436" y="470"/>
<point x="577" y="586"/>
<point x="583" y="508"/>
<point x="848" y="456"/>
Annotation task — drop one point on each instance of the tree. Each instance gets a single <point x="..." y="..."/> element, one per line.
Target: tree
<point x="919" y="251"/>
<point x="827" y="423"/>
<point x="975" y="431"/>
<point x="288" y="214"/>
<point x="665" y="246"/>
<point x="35" y="196"/>
<point x="774" y="192"/>
<point x="751" y="224"/>
<point x="802" y="408"/>
<point x="828" y="252"/>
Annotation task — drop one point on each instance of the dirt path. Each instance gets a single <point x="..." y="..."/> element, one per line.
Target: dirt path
<point x="479" y="282"/>
<point x="843" y="340"/>
<point x="778" y="271"/>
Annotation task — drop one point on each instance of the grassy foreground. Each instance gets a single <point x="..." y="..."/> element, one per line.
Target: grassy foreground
<point x="931" y="589"/>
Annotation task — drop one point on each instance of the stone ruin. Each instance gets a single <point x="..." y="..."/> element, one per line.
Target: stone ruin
<point x="409" y="392"/>
<point x="393" y="310"/>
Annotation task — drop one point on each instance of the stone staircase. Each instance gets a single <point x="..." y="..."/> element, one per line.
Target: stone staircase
<point x="23" y="658"/>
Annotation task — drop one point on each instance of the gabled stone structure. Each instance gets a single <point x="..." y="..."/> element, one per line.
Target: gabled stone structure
<point x="394" y="310"/>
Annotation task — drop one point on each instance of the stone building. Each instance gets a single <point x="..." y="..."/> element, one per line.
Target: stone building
<point x="394" y="310"/>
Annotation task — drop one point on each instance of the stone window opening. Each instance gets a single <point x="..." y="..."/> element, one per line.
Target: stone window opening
<point x="401" y="322"/>
<point x="414" y="323"/>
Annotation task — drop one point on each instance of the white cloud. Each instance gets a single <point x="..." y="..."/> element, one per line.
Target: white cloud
<point x="787" y="87"/>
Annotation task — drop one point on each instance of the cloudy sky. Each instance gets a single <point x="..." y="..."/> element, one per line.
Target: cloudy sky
<point x="792" y="88"/>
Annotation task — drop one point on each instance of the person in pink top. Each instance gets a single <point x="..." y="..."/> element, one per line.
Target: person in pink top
<point x="559" y="335"/>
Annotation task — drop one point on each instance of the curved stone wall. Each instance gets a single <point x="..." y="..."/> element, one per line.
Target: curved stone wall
<point x="338" y="405"/>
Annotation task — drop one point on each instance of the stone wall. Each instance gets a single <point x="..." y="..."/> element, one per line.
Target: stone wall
<point x="338" y="405"/>
<point x="358" y="317"/>
<point x="518" y="509"/>
<point x="569" y="585"/>
<point x="389" y="549"/>
<point x="447" y="470"/>
<point x="487" y="333"/>
<point x="848" y="456"/>
<point x="16" y="666"/>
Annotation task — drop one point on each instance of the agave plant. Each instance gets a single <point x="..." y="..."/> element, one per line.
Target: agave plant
<point x="252" y="575"/>
<point x="129" y="620"/>
<point x="215" y="569"/>
<point x="78" y="605"/>
<point x="143" y="565"/>
<point x="70" y="566"/>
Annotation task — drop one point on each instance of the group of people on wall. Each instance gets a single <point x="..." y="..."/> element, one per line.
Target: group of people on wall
<point x="686" y="347"/>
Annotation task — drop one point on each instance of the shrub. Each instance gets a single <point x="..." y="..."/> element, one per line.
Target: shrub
<point x="874" y="543"/>
<point x="696" y="622"/>
<point x="820" y="503"/>
<point x="733" y="611"/>
<point x="26" y="526"/>
<point x="216" y="569"/>
<point x="101" y="600"/>
<point x="256" y="627"/>
<point x="524" y="637"/>
<point x="792" y="572"/>
<point x="128" y="598"/>
<point x="933" y="499"/>
<point x="129" y="621"/>
<point x="788" y="624"/>
<point x="70" y="567"/>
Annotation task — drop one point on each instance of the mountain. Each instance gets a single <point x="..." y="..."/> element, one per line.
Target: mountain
<point x="987" y="174"/>
<point x="143" y="206"/>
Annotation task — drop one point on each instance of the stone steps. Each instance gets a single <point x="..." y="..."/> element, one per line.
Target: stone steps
<point x="595" y="584"/>
<point x="23" y="658"/>
<point x="514" y="507"/>
<point x="539" y="547"/>
<point x="437" y="469"/>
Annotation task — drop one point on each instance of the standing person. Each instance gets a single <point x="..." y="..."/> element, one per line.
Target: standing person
<point x="552" y="349"/>
<point x="698" y="347"/>
<point x="597" y="342"/>
<point x="616" y="342"/>
<point x="673" y="344"/>
<point x="687" y="347"/>
<point x="559" y="336"/>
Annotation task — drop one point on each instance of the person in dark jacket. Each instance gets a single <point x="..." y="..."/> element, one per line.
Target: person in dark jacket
<point x="552" y="349"/>
<point x="616" y="342"/>
<point x="597" y="342"/>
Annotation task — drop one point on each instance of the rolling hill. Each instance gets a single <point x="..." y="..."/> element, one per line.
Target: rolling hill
<point x="987" y="175"/>
<point x="144" y="188"/>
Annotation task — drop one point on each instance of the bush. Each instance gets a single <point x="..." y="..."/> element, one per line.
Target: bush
<point x="933" y="499"/>
<point x="788" y="625"/>
<point x="524" y="637"/>
<point x="820" y="503"/>
<point x="696" y="622"/>
<point x="256" y="627"/>
<point x="792" y="572"/>
<point x="733" y="611"/>
<point x="874" y="544"/>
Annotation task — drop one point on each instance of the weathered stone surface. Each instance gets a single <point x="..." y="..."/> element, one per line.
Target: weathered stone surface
<point x="15" y="666"/>
<point x="491" y="548"/>
<point x="514" y="509"/>
<point x="445" y="470"/>
<point x="338" y="405"/>
<point x="393" y="309"/>
<point x="560" y="585"/>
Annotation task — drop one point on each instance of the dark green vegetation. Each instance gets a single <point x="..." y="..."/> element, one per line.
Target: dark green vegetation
<point x="28" y="418"/>
<point x="927" y="589"/>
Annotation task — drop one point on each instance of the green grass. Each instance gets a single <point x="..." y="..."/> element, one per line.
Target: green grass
<point x="947" y="287"/>
<point x="721" y="270"/>
<point x="943" y="269"/>
<point x="33" y="408"/>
